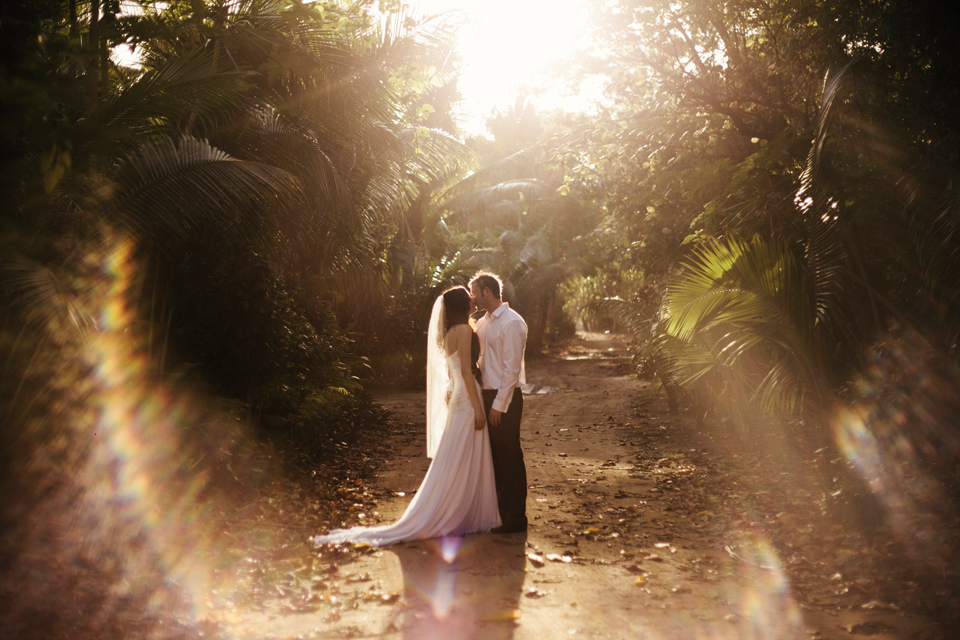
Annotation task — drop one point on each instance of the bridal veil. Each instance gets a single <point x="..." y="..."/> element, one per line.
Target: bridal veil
<point x="438" y="377"/>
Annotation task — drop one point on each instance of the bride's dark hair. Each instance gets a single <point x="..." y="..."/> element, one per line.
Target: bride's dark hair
<point x="456" y="306"/>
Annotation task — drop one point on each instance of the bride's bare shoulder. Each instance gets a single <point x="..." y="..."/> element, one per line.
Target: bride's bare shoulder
<point x="450" y="338"/>
<point x="455" y="334"/>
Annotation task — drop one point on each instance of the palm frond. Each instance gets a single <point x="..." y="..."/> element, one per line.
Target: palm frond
<point x="735" y="281"/>
<point x="437" y="158"/>
<point x="825" y="256"/>
<point x="198" y="85"/>
<point x="179" y="189"/>
<point x="745" y="309"/>
<point x="277" y="142"/>
<point x="497" y="200"/>
<point x="44" y="296"/>
<point x="516" y="164"/>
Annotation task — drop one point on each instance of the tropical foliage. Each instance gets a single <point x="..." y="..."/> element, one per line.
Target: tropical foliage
<point x="770" y="171"/>
<point x="768" y="190"/>
<point x="506" y="216"/>
<point x="265" y="196"/>
<point x="262" y="155"/>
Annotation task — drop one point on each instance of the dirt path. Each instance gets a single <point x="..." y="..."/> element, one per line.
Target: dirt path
<point x="640" y="528"/>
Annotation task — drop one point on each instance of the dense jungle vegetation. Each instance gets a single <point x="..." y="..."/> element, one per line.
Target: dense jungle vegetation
<point x="766" y="199"/>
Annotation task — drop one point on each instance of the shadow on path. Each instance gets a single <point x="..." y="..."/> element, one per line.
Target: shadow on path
<point x="457" y="588"/>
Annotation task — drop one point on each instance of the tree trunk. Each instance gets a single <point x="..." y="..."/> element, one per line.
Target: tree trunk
<point x="94" y="51"/>
<point x="104" y="69"/>
<point x="673" y="392"/>
<point x="74" y="27"/>
<point x="552" y="311"/>
<point x="535" y="339"/>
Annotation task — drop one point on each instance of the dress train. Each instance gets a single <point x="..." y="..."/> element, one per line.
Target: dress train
<point x="457" y="495"/>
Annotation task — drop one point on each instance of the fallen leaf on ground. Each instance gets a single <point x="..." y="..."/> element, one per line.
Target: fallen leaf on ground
<point x="868" y="628"/>
<point x="507" y="615"/>
<point x="364" y="578"/>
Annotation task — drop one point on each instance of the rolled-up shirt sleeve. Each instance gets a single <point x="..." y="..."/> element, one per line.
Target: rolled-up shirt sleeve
<point x="514" y="336"/>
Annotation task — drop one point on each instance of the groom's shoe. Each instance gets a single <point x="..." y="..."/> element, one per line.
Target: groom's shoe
<point x="510" y="527"/>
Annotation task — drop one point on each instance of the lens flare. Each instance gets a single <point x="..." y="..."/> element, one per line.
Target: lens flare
<point x="901" y="425"/>
<point x="766" y="602"/>
<point x="115" y="470"/>
<point x="444" y="592"/>
<point x="449" y="546"/>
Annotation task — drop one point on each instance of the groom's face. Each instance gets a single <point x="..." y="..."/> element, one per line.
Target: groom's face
<point x="476" y="298"/>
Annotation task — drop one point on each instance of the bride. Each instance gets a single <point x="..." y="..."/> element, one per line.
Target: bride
<point x="458" y="494"/>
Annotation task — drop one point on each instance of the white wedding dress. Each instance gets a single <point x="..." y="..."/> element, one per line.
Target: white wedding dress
<point x="458" y="494"/>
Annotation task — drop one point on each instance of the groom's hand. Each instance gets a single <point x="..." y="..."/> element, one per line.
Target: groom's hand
<point x="495" y="417"/>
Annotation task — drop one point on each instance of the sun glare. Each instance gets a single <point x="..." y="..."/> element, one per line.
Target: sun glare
<point x="509" y="45"/>
<point x="508" y="48"/>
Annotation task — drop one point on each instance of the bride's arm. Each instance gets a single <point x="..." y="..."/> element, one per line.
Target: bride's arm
<point x="464" y="335"/>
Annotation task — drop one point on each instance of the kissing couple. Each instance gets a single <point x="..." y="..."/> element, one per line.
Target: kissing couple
<point x="477" y="480"/>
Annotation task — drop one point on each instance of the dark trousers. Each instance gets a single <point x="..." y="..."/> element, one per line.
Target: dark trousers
<point x="508" y="467"/>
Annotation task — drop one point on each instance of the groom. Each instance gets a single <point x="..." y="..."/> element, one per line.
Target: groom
<point x="503" y="337"/>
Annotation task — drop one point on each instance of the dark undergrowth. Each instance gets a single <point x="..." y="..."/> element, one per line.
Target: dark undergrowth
<point x="139" y="543"/>
<point x="136" y="498"/>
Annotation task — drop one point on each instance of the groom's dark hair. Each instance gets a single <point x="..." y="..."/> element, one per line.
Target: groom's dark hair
<point x="487" y="280"/>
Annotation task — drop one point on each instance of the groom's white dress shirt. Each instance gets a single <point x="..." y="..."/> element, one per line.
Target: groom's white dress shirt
<point x="503" y="338"/>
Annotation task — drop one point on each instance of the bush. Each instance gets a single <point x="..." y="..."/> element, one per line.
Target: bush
<point x="279" y="351"/>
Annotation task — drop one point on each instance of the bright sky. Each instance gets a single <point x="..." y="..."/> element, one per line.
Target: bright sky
<point x="504" y="45"/>
<point x="508" y="43"/>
